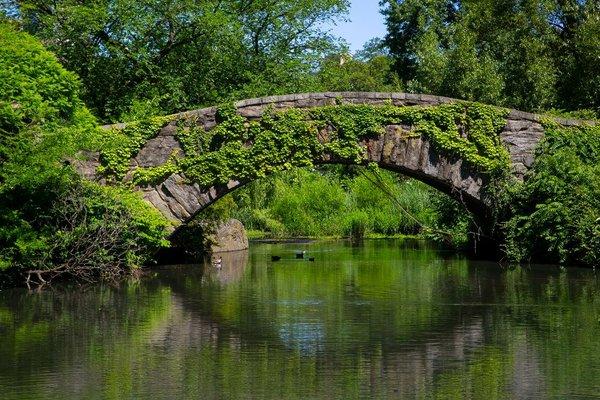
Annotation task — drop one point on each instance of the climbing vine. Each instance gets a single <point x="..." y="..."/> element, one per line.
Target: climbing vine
<point x="193" y="139"/>
<point x="243" y="149"/>
<point x="465" y="130"/>
<point x="120" y="145"/>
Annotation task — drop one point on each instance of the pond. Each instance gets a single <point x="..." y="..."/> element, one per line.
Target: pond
<point x="387" y="319"/>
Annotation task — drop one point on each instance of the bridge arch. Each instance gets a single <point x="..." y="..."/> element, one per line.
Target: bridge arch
<point x="393" y="148"/>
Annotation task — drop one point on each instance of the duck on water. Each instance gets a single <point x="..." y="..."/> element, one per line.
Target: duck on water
<point x="301" y="255"/>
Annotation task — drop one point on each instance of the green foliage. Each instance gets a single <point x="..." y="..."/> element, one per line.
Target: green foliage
<point x="51" y="221"/>
<point x="296" y="203"/>
<point x="556" y="217"/>
<point x="136" y="58"/>
<point x="193" y="139"/>
<point x="245" y="150"/>
<point x="38" y="98"/>
<point x="336" y="202"/>
<point x="309" y="208"/>
<point x="84" y="230"/>
<point x="34" y="89"/>
<point x="583" y="114"/>
<point x="120" y="145"/>
<point x="481" y="148"/>
<point x="146" y="176"/>
<point x="452" y="223"/>
<point x="42" y="120"/>
<point x="340" y="73"/>
<point x="531" y="54"/>
<point x="379" y="195"/>
<point x="577" y="52"/>
<point x="357" y="222"/>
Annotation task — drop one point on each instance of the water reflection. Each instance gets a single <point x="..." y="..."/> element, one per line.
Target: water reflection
<point x="380" y="321"/>
<point x="231" y="268"/>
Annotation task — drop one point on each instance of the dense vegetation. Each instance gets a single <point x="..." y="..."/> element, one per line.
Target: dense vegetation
<point x="528" y="54"/>
<point x="130" y="61"/>
<point x="156" y="57"/>
<point x="556" y="213"/>
<point x="535" y="55"/>
<point x="344" y="202"/>
<point x="51" y="222"/>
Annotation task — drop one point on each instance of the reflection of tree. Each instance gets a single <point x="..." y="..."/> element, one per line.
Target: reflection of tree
<point x="396" y="328"/>
<point x="371" y="315"/>
<point x="409" y="325"/>
<point x="51" y="340"/>
<point x="337" y="294"/>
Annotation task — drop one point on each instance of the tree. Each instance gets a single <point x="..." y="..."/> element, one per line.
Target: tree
<point x="577" y="26"/>
<point x="342" y="72"/>
<point x="528" y="54"/>
<point x="157" y="56"/>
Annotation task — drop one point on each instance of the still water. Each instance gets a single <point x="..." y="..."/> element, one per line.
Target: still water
<point x="386" y="320"/>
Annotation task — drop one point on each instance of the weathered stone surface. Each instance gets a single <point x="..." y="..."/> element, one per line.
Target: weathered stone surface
<point x="158" y="150"/>
<point x="396" y="150"/>
<point x="521" y="138"/>
<point x="87" y="165"/>
<point x="229" y="236"/>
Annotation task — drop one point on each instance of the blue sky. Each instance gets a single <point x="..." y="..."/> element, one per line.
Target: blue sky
<point x="365" y="23"/>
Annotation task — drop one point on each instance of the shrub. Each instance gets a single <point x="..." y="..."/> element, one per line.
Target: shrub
<point x="51" y="222"/>
<point x="77" y="229"/>
<point x="556" y="216"/>
<point x="328" y="202"/>
<point x="356" y="225"/>
<point x="37" y="95"/>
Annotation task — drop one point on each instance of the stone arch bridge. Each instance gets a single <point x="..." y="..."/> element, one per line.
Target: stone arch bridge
<point x="180" y="200"/>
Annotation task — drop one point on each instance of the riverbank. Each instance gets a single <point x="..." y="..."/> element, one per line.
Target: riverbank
<point x="261" y="236"/>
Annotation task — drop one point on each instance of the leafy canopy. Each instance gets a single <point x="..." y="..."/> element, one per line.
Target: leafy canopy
<point x="527" y="54"/>
<point x="155" y="57"/>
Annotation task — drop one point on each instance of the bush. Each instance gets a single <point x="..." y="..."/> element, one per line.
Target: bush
<point x="309" y="205"/>
<point x="556" y="217"/>
<point x="328" y="202"/>
<point x="77" y="229"/>
<point x="356" y="225"/>
<point x="37" y="95"/>
<point x="394" y="203"/>
<point x="51" y="222"/>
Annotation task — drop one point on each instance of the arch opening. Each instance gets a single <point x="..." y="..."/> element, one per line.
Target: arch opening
<point x="328" y="202"/>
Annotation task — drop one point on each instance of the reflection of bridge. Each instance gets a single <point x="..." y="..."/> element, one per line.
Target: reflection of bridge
<point x="402" y="371"/>
<point x="393" y="149"/>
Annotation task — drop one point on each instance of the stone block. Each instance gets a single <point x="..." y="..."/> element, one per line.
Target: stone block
<point x="229" y="236"/>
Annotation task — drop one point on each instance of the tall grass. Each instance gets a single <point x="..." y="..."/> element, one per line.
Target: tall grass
<point x="337" y="201"/>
